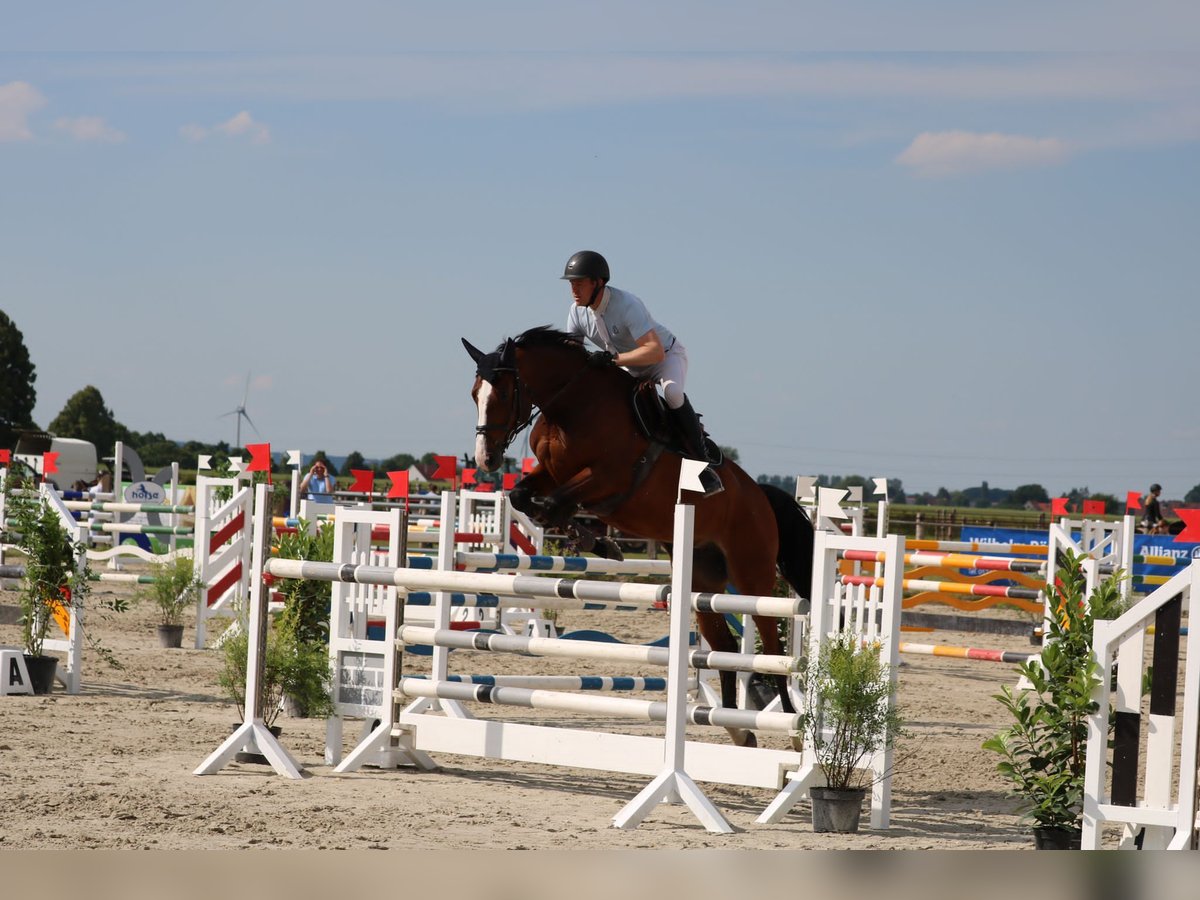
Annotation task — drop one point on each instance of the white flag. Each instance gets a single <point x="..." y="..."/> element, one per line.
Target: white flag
<point x="689" y="475"/>
<point x="235" y="463"/>
<point x="829" y="503"/>
<point x="805" y="488"/>
<point x="293" y="458"/>
<point x="881" y="487"/>
<point x="205" y="462"/>
<point x="856" y="493"/>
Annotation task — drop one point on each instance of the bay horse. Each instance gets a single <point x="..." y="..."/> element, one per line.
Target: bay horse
<point x="592" y="455"/>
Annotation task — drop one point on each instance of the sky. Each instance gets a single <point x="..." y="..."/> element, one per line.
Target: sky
<point x="941" y="242"/>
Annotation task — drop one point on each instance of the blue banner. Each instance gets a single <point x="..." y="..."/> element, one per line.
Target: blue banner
<point x="1143" y="545"/>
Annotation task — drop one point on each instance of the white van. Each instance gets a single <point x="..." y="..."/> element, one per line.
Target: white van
<point x="76" y="458"/>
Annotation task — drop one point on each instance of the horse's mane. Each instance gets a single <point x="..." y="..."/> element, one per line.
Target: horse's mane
<point x="548" y="336"/>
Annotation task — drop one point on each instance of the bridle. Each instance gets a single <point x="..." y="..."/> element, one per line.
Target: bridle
<point x="503" y="362"/>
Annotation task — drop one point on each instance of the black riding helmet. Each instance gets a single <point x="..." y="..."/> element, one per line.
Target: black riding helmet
<point x="586" y="264"/>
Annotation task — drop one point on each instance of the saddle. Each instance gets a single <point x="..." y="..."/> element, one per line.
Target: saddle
<point x="657" y="425"/>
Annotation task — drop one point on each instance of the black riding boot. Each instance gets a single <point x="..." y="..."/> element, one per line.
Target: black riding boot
<point x="692" y="433"/>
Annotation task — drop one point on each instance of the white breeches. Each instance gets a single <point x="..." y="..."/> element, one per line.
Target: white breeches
<point x="671" y="374"/>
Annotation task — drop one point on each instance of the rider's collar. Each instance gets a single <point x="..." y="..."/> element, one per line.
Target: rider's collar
<point x="602" y="306"/>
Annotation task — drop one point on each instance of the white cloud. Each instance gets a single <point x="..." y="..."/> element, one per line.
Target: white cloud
<point x="90" y="128"/>
<point x="942" y="153"/>
<point x="242" y="124"/>
<point x="17" y="100"/>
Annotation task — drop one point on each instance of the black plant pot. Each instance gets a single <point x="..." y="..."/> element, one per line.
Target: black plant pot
<point x="836" y="811"/>
<point x="41" y="672"/>
<point x="1045" y="838"/>
<point x="170" y="635"/>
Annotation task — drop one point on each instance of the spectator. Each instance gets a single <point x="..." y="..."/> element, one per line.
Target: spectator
<point x="318" y="485"/>
<point x="1152" y="517"/>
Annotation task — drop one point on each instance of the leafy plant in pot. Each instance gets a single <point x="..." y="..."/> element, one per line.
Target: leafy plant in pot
<point x="1043" y="752"/>
<point x="305" y="616"/>
<point x="849" y="715"/>
<point x="56" y="580"/>
<point x="175" y="588"/>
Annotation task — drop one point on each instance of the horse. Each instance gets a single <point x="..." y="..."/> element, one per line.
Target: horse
<point x="592" y="455"/>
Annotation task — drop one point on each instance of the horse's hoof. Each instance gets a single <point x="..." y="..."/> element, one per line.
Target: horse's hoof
<point x="742" y="738"/>
<point x="606" y="548"/>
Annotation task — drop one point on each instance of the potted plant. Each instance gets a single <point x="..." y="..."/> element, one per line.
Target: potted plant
<point x="849" y="714"/>
<point x="56" y="574"/>
<point x="1043" y="751"/>
<point x="175" y="588"/>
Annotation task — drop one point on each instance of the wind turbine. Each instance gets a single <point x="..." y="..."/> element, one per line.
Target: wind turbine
<point x="240" y="412"/>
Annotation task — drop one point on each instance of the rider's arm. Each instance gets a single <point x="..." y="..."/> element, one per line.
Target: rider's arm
<point x="648" y="352"/>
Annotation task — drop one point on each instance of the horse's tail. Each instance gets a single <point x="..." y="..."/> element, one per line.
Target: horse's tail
<point x="795" y="540"/>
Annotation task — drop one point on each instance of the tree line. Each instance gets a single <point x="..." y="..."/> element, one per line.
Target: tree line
<point x="86" y="416"/>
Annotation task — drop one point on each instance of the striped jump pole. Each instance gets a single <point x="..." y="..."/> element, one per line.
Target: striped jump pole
<point x="599" y="650"/>
<point x="947" y="587"/>
<point x="424" y="599"/>
<point x="110" y="506"/>
<point x="977" y="653"/>
<point x="493" y="562"/>
<point x="608" y="683"/>
<point x="528" y="588"/>
<point x="622" y="707"/>
<point x="134" y="528"/>
<point x="978" y="547"/>
<point x="954" y="561"/>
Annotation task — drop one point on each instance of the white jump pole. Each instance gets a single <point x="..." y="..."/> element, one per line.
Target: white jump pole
<point x="253" y="733"/>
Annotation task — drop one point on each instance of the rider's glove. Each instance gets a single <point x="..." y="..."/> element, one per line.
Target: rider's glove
<point x="600" y="358"/>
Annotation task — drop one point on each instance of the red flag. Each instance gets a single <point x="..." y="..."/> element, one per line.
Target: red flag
<point x="469" y="476"/>
<point x="527" y="465"/>
<point x="5" y="456"/>
<point x="510" y="480"/>
<point x="364" y="480"/>
<point x="1058" y="506"/>
<point x="260" y="458"/>
<point x="1191" y="525"/>
<point x="447" y="468"/>
<point x="1133" y="500"/>
<point x="399" y="486"/>
<point x="49" y="464"/>
<point x="485" y="487"/>
<point x="1093" y="507"/>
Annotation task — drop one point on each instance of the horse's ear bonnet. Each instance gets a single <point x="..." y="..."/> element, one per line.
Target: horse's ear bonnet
<point x="487" y="365"/>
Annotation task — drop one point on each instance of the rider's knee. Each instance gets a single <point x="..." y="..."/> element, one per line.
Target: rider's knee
<point x="673" y="394"/>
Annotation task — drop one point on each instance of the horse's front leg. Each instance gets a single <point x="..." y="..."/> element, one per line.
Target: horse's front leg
<point x="554" y="506"/>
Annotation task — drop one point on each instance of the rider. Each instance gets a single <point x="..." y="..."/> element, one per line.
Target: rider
<point x="1152" y="517"/>
<point x="619" y="323"/>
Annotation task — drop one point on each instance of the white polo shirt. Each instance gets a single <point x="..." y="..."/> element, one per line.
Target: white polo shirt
<point x="618" y="320"/>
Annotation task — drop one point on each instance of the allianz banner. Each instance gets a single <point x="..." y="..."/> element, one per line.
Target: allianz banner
<point x="1143" y="545"/>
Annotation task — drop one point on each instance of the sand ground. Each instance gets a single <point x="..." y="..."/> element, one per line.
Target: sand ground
<point x="112" y="768"/>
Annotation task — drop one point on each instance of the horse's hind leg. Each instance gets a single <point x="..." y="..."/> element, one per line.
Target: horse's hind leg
<point x="709" y="575"/>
